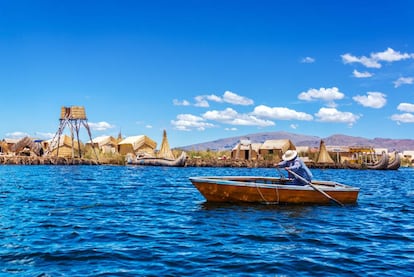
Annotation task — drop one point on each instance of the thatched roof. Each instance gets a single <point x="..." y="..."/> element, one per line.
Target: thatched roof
<point x="323" y="156"/>
<point x="138" y="141"/>
<point x="64" y="140"/>
<point x="281" y="144"/>
<point x="165" y="151"/>
<point x="103" y="140"/>
<point x="245" y="147"/>
<point x="29" y="143"/>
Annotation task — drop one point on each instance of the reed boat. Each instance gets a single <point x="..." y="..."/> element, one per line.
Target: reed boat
<point x="154" y="161"/>
<point x="395" y="162"/>
<point x="272" y="190"/>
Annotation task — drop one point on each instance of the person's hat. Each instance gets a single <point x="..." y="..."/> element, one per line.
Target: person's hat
<point x="289" y="155"/>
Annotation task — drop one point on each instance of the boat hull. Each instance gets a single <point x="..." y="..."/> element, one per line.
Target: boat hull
<point x="271" y="191"/>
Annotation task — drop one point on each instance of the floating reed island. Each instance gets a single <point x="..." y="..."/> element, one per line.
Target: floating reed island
<point x="30" y="160"/>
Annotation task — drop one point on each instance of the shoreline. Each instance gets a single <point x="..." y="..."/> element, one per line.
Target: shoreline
<point x="191" y="162"/>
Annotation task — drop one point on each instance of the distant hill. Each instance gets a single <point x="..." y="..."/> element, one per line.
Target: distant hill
<point x="305" y="140"/>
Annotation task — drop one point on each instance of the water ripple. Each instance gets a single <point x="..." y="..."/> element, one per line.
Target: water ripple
<point x="132" y="221"/>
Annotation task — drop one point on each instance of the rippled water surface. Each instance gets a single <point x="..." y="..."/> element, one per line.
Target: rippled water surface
<point x="151" y="221"/>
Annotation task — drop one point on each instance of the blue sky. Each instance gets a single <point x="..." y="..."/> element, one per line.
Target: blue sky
<point x="206" y="70"/>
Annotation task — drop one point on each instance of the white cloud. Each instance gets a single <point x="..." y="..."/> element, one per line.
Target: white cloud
<point x="333" y="115"/>
<point x="403" y="81"/>
<point x="294" y="126"/>
<point x="367" y="62"/>
<point x="372" y="100"/>
<point x="148" y="126"/>
<point x="45" y="135"/>
<point x="373" y="60"/>
<point x="308" y="60"/>
<point x="324" y="94"/>
<point x="358" y="74"/>
<point x="100" y="126"/>
<point x="17" y="135"/>
<point x="230" y="129"/>
<point x="404" y="118"/>
<point x="390" y="55"/>
<point x="187" y="122"/>
<point x="228" y="97"/>
<point x="406" y="107"/>
<point x="233" y="98"/>
<point x="201" y="102"/>
<point x="177" y="102"/>
<point x="232" y="117"/>
<point x="214" y="98"/>
<point x="280" y="113"/>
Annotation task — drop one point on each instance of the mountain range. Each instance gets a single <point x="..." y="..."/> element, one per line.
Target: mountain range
<point x="305" y="140"/>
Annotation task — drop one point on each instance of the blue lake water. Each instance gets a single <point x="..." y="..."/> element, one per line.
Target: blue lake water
<point x="151" y="221"/>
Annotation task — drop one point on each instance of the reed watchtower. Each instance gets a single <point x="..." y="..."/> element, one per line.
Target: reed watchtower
<point x="73" y="117"/>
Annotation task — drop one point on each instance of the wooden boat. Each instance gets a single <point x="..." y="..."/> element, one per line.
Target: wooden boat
<point x="154" y="161"/>
<point x="271" y="190"/>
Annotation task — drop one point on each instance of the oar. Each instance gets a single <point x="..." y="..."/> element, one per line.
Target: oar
<point x="314" y="187"/>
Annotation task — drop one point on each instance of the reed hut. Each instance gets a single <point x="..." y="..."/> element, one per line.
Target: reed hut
<point x="136" y="145"/>
<point x="105" y="144"/>
<point x="324" y="158"/>
<point x="246" y="150"/>
<point x="165" y="151"/>
<point x="27" y="146"/>
<point x="67" y="147"/>
<point x="274" y="149"/>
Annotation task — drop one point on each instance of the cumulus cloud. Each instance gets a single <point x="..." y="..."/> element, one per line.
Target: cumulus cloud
<point x="373" y="61"/>
<point x="232" y="117"/>
<point x="358" y="74"/>
<point x="324" y="94"/>
<point x="390" y="55"/>
<point x="367" y="62"/>
<point x="403" y="118"/>
<point x="228" y="97"/>
<point x="294" y="126"/>
<point x="374" y="100"/>
<point x="100" y="126"/>
<point x="308" y="60"/>
<point x="188" y="122"/>
<point x="17" y="135"/>
<point x="403" y="81"/>
<point x="233" y="98"/>
<point x="214" y="98"/>
<point x="201" y="102"/>
<point x="45" y="135"/>
<point x="406" y="107"/>
<point x="177" y="102"/>
<point x="333" y="115"/>
<point x="280" y="113"/>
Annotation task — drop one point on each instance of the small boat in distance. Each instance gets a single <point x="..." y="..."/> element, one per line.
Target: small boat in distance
<point x="154" y="161"/>
<point x="165" y="157"/>
<point x="272" y="190"/>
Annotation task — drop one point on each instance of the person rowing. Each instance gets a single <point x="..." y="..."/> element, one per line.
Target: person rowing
<point x="291" y="162"/>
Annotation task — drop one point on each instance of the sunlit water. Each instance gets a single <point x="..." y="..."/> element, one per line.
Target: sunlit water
<point x="151" y="221"/>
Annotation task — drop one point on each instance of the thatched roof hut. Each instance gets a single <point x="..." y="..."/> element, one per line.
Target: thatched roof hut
<point x="64" y="148"/>
<point x="165" y="151"/>
<point x="246" y="150"/>
<point x="324" y="157"/>
<point x="137" y="144"/>
<point x="276" y="148"/>
<point x="106" y="144"/>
